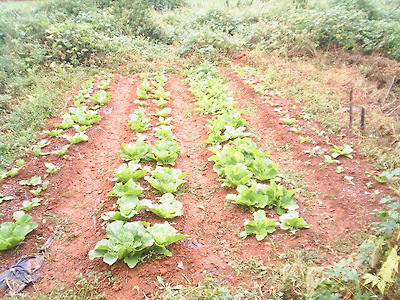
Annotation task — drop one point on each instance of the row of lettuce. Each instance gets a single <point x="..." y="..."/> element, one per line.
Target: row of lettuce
<point x="133" y="241"/>
<point x="372" y="271"/>
<point x="83" y="113"/>
<point x="238" y="161"/>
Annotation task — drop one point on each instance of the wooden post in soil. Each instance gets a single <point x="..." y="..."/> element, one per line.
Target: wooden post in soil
<point x="362" y="120"/>
<point x="351" y="109"/>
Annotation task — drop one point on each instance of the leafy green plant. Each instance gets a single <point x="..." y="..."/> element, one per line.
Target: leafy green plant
<point x="13" y="233"/>
<point x="164" y="132"/>
<point x="101" y="97"/>
<point x="164" y="235"/>
<point x="166" y="180"/>
<point x="127" y="241"/>
<point x="131" y="187"/>
<point x="129" y="206"/>
<point x="291" y="221"/>
<point x="132" y="170"/>
<point x="288" y="120"/>
<point x="136" y="151"/>
<point x="165" y="152"/>
<point x="387" y="176"/>
<point x="263" y="168"/>
<point x="163" y="112"/>
<point x="168" y="207"/>
<point x="37" y="149"/>
<point x="77" y="138"/>
<point x="255" y="196"/>
<point x="261" y="226"/>
<point x="62" y="150"/>
<point x="164" y="121"/>
<point x="40" y="189"/>
<point x="29" y="204"/>
<point x="5" y="198"/>
<point x="138" y="122"/>
<point x="130" y="241"/>
<point x="345" y="150"/>
<point x="236" y="175"/>
<point x="54" y="132"/>
<point x="52" y="168"/>
<point x="15" y="170"/>
<point x="34" y="181"/>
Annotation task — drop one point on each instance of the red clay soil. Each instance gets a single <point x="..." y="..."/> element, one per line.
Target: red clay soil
<point x="335" y="209"/>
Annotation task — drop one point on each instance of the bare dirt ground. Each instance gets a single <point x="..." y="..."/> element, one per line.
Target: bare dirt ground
<point x="336" y="210"/>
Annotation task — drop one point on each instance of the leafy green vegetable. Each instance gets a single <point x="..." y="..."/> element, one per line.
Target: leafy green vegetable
<point x="101" y="97"/>
<point x="62" y="150"/>
<point x="130" y="205"/>
<point x="165" y="152"/>
<point x="166" y="180"/>
<point x="164" y="132"/>
<point x="138" y="122"/>
<point x="66" y="123"/>
<point x="255" y="196"/>
<point x="132" y="170"/>
<point x="291" y="221"/>
<point x="125" y="241"/>
<point x="263" y="168"/>
<point x="5" y="198"/>
<point x="164" y="121"/>
<point x="13" y="233"/>
<point x="164" y="235"/>
<point x="260" y="226"/>
<point x="51" y="168"/>
<point x="136" y="151"/>
<point x="131" y="187"/>
<point x="130" y="241"/>
<point x="83" y="115"/>
<point x="40" y="189"/>
<point x="54" y="132"/>
<point x="37" y="149"/>
<point x="28" y="205"/>
<point x="35" y="180"/>
<point x="168" y="208"/>
<point x="387" y="176"/>
<point x="14" y="171"/>
<point x="236" y="175"/>
<point x="163" y="112"/>
<point x="345" y="150"/>
<point x="77" y="138"/>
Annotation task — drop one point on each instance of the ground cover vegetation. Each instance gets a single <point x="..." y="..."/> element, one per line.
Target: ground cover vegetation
<point x="310" y="53"/>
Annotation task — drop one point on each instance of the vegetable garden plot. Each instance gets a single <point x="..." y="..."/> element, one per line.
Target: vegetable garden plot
<point x="117" y="160"/>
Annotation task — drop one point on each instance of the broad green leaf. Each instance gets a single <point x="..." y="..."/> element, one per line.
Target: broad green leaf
<point x="168" y="208"/>
<point x="291" y="221"/>
<point x="260" y="226"/>
<point x="166" y="180"/>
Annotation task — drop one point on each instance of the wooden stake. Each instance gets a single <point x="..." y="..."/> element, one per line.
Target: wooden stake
<point x="362" y="121"/>
<point x="351" y="109"/>
<point x="390" y="88"/>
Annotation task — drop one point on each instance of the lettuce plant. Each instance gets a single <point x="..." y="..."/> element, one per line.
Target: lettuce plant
<point x="138" y="122"/>
<point x="166" y="180"/>
<point x="291" y="221"/>
<point x="131" y="187"/>
<point x="136" y="151"/>
<point x="131" y="241"/>
<point x="101" y="97"/>
<point x="165" y="152"/>
<point x="132" y="170"/>
<point x="13" y="233"/>
<point x="168" y="207"/>
<point x="260" y="226"/>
